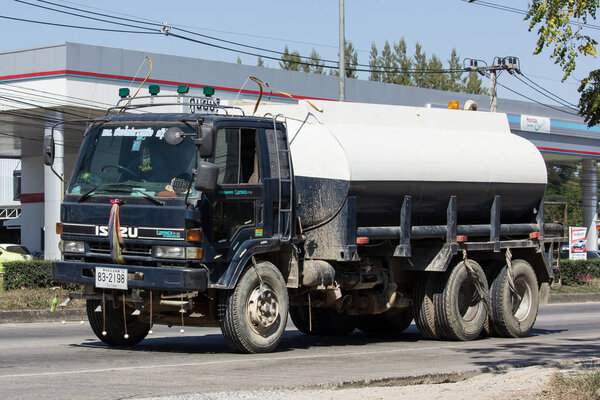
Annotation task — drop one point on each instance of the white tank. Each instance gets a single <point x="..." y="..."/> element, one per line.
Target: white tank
<point x="380" y="153"/>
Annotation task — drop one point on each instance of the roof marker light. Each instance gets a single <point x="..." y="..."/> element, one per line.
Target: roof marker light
<point x="453" y="105"/>
<point x="208" y="91"/>
<point x="154" y="90"/>
<point x="123" y="92"/>
<point x="183" y="89"/>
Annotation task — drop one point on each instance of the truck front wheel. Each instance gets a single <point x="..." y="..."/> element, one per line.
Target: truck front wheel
<point x="254" y="314"/>
<point x="112" y="330"/>
<point x="515" y="309"/>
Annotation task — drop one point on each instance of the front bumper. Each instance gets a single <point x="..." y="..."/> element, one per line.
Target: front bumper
<point x="152" y="278"/>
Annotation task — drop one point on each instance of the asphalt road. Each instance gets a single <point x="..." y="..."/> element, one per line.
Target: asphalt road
<point x="53" y="361"/>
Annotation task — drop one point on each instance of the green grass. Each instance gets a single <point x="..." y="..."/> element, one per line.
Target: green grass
<point x="583" y="385"/>
<point x="34" y="299"/>
<point x="592" y="286"/>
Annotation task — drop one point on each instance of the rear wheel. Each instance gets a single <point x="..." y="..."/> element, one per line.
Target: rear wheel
<point x="423" y="308"/>
<point x="254" y="314"/>
<point x="112" y="332"/>
<point x="460" y="309"/>
<point x="392" y="321"/>
<point x="514" y="313"/>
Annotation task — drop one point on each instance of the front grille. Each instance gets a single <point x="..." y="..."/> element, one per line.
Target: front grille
<point x="143" y="250"/>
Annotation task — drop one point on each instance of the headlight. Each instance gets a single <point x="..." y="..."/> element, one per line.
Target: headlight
<point x="71" y="246"/>
<point x="169" y="252"/>
<point x="190" y="253"/>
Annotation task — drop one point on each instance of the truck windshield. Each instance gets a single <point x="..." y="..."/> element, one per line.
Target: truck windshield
<point x="136" y="156"/>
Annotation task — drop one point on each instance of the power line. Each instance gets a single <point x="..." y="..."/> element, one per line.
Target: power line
<point x="310" y="63"/>
<point x="89" y="28"/>
<point x="549" y="96"/>
<point x="522" y="12"/>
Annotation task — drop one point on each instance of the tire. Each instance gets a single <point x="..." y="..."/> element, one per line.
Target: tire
<point x="511" y="316"/>
<point x="137" y="330"/>
<point x="492" y="269"/>
<point x="325" y="321"/>
<point x="393" y="321"/>
<point x="460" y="312"/>
<point x="252" y="318"/>
<point x="423" y="308"/>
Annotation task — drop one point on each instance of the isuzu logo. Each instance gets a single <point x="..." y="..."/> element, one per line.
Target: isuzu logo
<point x="126" y="231"/>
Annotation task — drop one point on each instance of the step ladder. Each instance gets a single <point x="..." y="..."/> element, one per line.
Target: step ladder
<point x="285" y="179"/>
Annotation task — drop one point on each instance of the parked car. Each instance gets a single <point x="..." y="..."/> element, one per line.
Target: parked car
<point x="592" y="254"/>
<point x="13" y="252"/>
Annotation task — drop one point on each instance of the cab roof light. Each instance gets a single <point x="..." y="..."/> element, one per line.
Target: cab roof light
<point x="123" y="92"/>
<point x="154" y="90"/>
<point x="208" y="91"/>
<point x="183" y="89"/>
<point x="453" y="105"/>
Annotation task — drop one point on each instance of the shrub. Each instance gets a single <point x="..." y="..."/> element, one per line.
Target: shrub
<point x="574" y="271"/>
<point x="30" y="274"/>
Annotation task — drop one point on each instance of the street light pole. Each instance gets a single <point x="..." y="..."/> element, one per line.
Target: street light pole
<point x="342" y="52"/>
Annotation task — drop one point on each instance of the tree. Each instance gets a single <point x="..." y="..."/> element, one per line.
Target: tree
<point x="404" y="62"/>
<point x="419" y="76"/>
<point x="564" y="184"/>
<point x="290" y="61"/>
<point x="351" y="60"/>
<point x="388" y="64"/>
<point x="374" y="66"/>
<point x="455" y="81"/>
<point x="260" y="62"/>
<point x="436" y="80"/>
<point x="239" y="60"/>
<point x="560" y="28"/>
<point x="316" y="65"/>
<point x="472" y="84"/>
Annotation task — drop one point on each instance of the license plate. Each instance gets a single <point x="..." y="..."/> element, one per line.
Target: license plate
<point x="111" y="278"/>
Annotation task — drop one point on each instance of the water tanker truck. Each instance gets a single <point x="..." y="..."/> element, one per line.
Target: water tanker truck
<point x="355" y="216"/>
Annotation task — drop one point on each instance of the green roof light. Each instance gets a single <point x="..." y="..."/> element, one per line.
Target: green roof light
<point x="183" y="89"/>
<point x="123" y="92"/>
<point x="154" y="89"/>
<point x="208" y="91"/>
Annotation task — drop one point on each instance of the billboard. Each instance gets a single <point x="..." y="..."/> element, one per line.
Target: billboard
<point x="577" y="243"/>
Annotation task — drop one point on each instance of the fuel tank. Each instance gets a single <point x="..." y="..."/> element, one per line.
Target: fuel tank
<point x="381" y="153"/>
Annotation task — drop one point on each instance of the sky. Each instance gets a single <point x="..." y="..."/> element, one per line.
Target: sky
<point x="475" y="31"/>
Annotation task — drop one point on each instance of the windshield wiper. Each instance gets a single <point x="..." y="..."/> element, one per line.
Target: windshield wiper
<point x="146" y="195"/>
<point x="89" y="193"/>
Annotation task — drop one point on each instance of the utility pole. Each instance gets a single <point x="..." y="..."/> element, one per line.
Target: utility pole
<point x="510" y="64"/>
<point x="342" y="54"/>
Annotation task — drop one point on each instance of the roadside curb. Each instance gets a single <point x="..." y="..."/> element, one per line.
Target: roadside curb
<point x="24" y="316"/>
<point x="573" y="298"/>
<point x="78" y="314"/>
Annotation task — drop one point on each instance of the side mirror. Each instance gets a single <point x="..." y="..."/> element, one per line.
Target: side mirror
<point x="205" y="140"/>
<point x="48" y="150"/>
<point x="206" y="177"/>
<point x="174" y="136"/>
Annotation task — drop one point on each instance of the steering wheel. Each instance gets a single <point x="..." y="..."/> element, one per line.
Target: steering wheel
<point x="120" y="168"/>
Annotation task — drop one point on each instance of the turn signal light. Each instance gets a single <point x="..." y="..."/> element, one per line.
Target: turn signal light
<point x="461" y="238"/>
<point x="194" y="235"/>
<point x="59" y="227"/>
<point x="534" y="235"/>
<point x="362" y="240"/>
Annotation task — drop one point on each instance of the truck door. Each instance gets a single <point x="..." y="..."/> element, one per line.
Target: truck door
<point x="237" y="209"/>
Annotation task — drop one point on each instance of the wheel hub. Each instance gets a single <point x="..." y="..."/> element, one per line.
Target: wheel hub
<point x="263" y="308"/>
